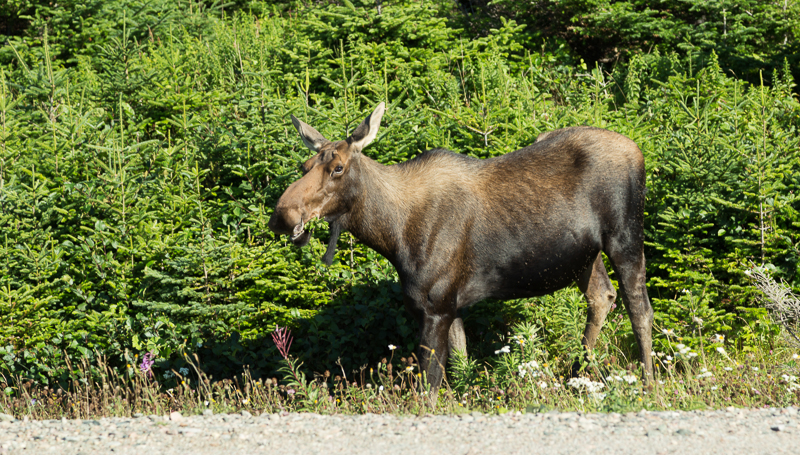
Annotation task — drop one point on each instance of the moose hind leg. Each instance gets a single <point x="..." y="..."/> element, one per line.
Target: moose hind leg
<point x="629" y="264"/>
<point x="600" y="296"/>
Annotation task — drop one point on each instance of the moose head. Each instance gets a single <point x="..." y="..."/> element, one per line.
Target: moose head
<point x="327" y="187"/>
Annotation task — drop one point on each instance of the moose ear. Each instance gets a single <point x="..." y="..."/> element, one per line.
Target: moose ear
<point x="310" y="136"/>
<point x="367" y="131"/>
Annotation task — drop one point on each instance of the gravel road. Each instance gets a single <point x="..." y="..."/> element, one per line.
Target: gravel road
<point x="734" y="431"/>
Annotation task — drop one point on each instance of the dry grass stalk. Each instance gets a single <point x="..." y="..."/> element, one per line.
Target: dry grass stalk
<point x="783" y="305"/>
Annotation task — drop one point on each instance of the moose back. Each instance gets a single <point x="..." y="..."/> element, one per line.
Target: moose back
<point x="459" y="229"/>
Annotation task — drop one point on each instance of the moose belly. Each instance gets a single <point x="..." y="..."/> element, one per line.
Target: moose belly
<point x="538" y="270"/>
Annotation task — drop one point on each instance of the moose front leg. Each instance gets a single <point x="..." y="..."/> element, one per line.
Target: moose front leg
<point x="434" y="349"/>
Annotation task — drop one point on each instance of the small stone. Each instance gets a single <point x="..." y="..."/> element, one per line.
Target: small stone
<point x="684" y="432"/>
<point x="175" y="416"/>
<point x="476" y="414"/>
<point x="138" y="415"/>
<point x="6" y="417"/>
<point x="208" y="412"/>
<point x="778" y="428"/>
<point x="246" y="414"/>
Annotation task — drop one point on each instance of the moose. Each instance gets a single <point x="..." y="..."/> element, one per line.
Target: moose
<point x="460" y="229"/>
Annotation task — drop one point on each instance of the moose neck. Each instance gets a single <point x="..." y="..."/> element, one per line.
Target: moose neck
<point x="380" y="209"/>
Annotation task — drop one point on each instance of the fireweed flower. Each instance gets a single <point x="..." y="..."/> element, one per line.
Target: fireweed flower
<point x="147" y="363"/>
<point x="283" y="340"/>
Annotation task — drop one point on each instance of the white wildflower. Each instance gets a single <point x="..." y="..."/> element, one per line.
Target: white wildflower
<point x="754" y="368"/>
<point x="697" y="320"/>
<point x="380" y="389"/>
<point x="728" y="369"/>
<point x="795" y="356"/>
<point x="206" y="403"/>
<point x="721" y="350"/>
<point x="668" y="332"/>
<point x="504" y="350"/>
<point x="531" y="367"/>
<point x="585" y="384"/>
<point x="392" y="347"/>
<point x="704" y="373"/>
<point x="717" y="338"/>
<point x="542" y="385"/>
<point x="714" y="388"/>
<point x="630" y="379"/>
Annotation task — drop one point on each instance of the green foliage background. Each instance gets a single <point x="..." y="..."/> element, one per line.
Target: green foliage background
<point x="144" y="144"/>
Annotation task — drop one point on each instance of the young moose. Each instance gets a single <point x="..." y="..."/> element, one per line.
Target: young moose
<point x="459" y="230"/>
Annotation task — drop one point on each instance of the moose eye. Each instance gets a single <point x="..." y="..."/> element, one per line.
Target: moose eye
<point x="338" y="169"/>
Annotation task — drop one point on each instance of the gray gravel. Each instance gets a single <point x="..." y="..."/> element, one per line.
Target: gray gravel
<point x="713" y="432"/>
